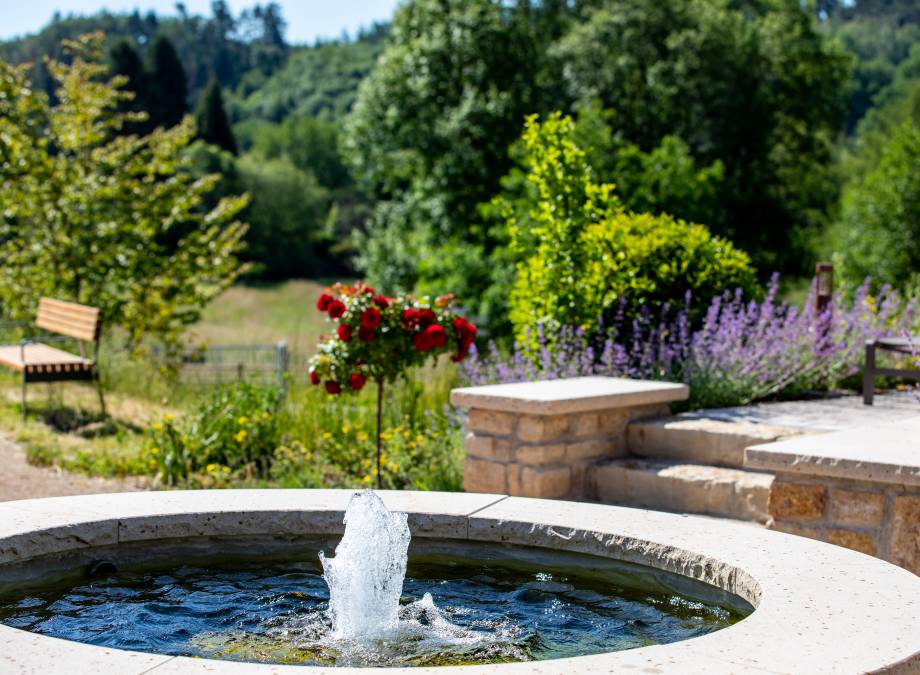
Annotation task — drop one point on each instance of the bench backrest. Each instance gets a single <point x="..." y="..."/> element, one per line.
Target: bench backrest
<point x="68" y="318"/>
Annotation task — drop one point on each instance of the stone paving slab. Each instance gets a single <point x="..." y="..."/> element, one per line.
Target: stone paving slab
<point x="880" y="453"/>
<point x="819" y="415"/>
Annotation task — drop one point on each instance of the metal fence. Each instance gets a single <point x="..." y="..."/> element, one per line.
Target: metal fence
<point x="259" y="364"/>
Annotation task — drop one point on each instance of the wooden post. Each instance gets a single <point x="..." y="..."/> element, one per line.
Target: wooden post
<point x="824" y="294"/>
<point x="869" y="373"/>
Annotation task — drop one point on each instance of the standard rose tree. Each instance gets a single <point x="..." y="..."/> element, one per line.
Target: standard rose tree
<point x="379" y="338"/>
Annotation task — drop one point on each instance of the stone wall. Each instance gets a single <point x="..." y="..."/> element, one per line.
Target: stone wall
<point x="858" y="488"/>
<point x="543" y="455"/>
<point x="537" y="439"/>
<point x="879" y="519"/>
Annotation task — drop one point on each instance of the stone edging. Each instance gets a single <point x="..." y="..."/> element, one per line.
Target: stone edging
<point x="820" y="608"/>
<point x="569" y="395"/>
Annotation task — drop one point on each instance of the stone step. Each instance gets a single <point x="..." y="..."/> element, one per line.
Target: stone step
<point x="700" y="440"/>
<point x="680" y="487"/>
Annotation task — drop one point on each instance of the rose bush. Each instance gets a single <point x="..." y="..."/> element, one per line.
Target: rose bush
<point x="378" y="338"/>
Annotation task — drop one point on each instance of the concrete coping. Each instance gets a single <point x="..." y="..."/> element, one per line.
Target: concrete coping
<point x="819" y="608"/>
<point x="880" y="454"/>
<point x="570" y="395"/>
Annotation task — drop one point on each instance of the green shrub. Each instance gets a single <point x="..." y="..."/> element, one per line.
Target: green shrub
<point x="584" y="258"/>
<point x="236" y="429"/>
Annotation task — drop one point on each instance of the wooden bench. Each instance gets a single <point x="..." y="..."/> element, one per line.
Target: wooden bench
<point x="892" y="344"/>
<point x="38" y="362"/>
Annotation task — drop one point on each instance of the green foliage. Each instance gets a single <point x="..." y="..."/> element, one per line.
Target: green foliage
<point x="112" y="221"/>
<point x="585" y="258"/>
<point x="879" y="46"/>
<point x="287" y="219"/>
<point x="878" y="233"/>
<point x="705" y="110"/>
<point x="757" y="89"/>
<point x="287" y="214"/>
<point x="211" y="120"/>
<point x="166" y="94"/>
<point x="666" y="179"/>
<point x="430" y="130"/>
<point x="312" y="146"/>
<point x="319" y="81"/>
<point x="247" y="47"/>
<point x="417" y="457"/>
<point x="237" y="428"/>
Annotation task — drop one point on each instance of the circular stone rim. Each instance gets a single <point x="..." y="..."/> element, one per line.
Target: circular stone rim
<point x="818" y="607"/>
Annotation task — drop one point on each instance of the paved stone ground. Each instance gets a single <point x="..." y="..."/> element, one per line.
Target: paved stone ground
<point x="21" y="480"/>
<point x="821" y="415"/>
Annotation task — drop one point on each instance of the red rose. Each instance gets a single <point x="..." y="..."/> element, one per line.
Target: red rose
<point x="410" y="317"/>
<point x="422" y="341"/>
<point x="426" y="317"/>
<point x="381" y="302"/>
<point x="336" y="309"/>
<point x="344" y="332"/>
<point x="314" y="377"/>
<point x="366" y="333"/>
<point x="466" y="334"/>
<point x="437" y="334"/>
<point x="333" y="387"/>
<point x="369" y="290"/>
<point x="370" y="317"/>
<point x="356" y="380"/>
<point x="323" y="303"/>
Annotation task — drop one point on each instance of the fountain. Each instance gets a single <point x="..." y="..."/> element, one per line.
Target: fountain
<point x="141" y="582"/>
<point x="366" y="576"/>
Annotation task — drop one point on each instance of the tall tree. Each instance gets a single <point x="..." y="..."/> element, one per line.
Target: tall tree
<point x="125" y="61"/>
<point x="168" y="89"/>
<point x="103" y="206"/>
<point x="211" y="118"/>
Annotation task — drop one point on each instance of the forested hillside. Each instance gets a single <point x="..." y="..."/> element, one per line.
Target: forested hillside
<point x="396" y="154"/>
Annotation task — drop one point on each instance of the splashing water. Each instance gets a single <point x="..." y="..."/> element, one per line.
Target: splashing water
<point x="365" y="577"/>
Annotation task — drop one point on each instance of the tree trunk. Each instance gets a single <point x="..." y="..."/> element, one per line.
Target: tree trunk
<point x="379" y="420"/>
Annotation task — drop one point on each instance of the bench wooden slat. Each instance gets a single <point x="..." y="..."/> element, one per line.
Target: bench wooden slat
<point x="68" y="318"/>
<point x="83" y="319"/>
<point x="39" y="357"/>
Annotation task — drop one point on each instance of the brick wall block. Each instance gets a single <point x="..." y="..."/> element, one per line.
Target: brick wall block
<point x="491" y="422"/>
<point x="797" y="500"/>
<point x="484" y="476"/>
<point x="855" y="507"/>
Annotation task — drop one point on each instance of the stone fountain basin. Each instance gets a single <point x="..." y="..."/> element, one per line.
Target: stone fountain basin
<point x="819" y="608"/>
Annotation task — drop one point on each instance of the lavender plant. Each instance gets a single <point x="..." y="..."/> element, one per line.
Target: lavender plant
<point x="742" y="351"/>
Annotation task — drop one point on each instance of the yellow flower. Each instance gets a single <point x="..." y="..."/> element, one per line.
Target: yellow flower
<point x="153" y="464"/>
<point x="157" y="426"/>
<point x="327" y="436"/>
<point x="243" y="421"/>
<point x="210" y="467"/>
<point x="419" y="439"/>
<point x="345" y="428"/>
<point x="154" y="451"/>
<point x="363" y="437"/>
<point x="265" y="415"/>
<point x="168" y="417"/>
<point x="241" y="436"/>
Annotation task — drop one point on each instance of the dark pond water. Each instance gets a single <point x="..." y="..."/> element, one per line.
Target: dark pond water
<point x="478" y="613"/>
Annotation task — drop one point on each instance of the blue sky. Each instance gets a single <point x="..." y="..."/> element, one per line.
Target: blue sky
<point x="307" y="19"/>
